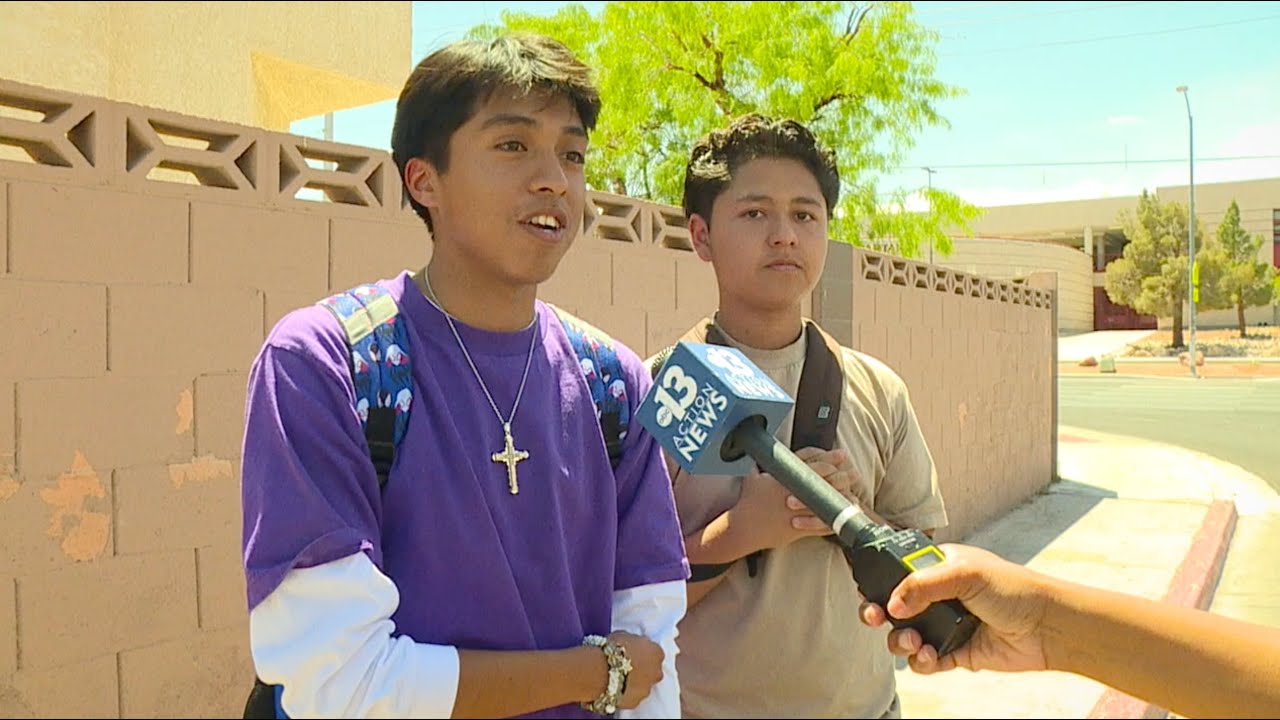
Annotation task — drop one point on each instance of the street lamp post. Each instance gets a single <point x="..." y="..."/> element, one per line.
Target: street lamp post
<point x="1191" y="229"/>
<point x="931" y="171"/>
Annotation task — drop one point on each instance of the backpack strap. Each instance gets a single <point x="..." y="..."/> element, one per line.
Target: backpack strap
<point x="820" y="392"/>
<point x="598" y="358"/>
<point x="263" y="702"/>
<point x="380" y="367"/>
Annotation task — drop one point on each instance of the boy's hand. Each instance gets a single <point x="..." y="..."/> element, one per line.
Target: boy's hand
<point x="775" y="516"/>
<point x="834" y="466"/>
<point x="646" y="658"/>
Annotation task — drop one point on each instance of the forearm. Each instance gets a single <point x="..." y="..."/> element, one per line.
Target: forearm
<point x="532" y="680"/>
<point x="325" y="635"/>
<point x="1190" y="662"/>
<point x="720" y="542"/>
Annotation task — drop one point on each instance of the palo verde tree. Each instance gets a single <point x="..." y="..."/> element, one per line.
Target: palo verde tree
<point x="861" y="75"/>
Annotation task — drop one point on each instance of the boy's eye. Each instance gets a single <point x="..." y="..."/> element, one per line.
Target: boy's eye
<point x="804" y="216"/>
<point x="576" y="157"/>
<point x="511" y="145"/>
<point x="754" y="213"/>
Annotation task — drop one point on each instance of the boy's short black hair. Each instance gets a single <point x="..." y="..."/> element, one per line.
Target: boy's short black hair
<point x="447" y="87"/>
<point x="720" y="153"/>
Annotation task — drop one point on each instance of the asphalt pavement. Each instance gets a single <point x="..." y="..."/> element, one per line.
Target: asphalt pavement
<point x="1233" y="419"/>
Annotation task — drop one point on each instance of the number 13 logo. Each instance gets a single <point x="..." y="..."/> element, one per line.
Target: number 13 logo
<point x="673" y="407"/>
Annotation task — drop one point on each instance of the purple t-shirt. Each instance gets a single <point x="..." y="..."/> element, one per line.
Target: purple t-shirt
<point x="476" y="567"/>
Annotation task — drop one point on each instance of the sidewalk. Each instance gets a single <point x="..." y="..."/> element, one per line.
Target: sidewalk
<point x="1139" y="517"/>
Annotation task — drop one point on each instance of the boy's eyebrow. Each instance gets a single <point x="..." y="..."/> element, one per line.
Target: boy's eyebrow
<point x="526" y="121"/>
<point x="761" y="197"/>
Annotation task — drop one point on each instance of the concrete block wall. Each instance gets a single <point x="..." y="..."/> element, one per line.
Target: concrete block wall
<point x="979" y="358"/>
<point x="144" y="255"/>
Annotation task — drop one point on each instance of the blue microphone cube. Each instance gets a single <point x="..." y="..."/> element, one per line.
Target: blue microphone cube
<point x="699" y="396"/>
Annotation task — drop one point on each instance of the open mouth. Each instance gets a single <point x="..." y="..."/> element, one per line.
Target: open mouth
<point x="545" y="226"/>
<point x="545" y="222"/>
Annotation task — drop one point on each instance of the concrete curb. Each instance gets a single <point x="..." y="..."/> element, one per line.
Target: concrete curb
<point x="1211" y="372"/>
<point x="1217" y="359"/>
<point x="1193" y="586"/>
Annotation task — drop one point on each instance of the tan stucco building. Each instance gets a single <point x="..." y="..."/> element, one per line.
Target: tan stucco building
<point x="1078" y="238"/>
<point x="262" y="64"/>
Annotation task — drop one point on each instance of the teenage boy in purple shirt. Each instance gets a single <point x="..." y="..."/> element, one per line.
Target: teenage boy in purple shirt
<point x="458" y="590"/>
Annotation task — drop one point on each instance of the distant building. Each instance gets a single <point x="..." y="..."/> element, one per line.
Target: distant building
<point x="1078" y="238"/>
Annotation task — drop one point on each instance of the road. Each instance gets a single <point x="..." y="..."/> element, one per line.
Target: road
<point x="1236" y="420"/>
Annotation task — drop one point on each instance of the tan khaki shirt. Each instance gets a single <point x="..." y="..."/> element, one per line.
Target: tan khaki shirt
<point x="788" y="642"/>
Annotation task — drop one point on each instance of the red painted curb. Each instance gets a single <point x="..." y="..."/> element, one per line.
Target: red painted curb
<point x="1197" y="578"/>
<point x="1193" y="585"/>
<point x="1065" y="437"/>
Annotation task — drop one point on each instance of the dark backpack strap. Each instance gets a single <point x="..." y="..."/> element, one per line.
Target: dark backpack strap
<point x="820" y="392"/>
<point x="598" y="359"/>
<point x="380" y="367"/>
<point x="263" y="702"/>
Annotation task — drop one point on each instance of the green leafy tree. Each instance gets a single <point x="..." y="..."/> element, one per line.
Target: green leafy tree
<point x="861" y="75"/>
<point x="1151" y="277"/>
<point x="1246" y="281"/>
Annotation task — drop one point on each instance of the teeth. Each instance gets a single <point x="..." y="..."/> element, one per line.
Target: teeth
<point x="546" y="221"/>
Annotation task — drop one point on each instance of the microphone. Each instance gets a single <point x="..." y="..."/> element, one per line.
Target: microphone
<point x="716" y="413"/>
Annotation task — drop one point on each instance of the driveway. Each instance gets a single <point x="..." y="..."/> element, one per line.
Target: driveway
<point x="1074" y="348"/>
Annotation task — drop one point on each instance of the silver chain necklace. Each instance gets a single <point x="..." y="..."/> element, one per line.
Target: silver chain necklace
<point x="509" y="455"/>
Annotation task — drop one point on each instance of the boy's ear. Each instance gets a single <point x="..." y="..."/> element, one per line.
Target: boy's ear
<point x="700" y="236"/>
<point x="422" y="181"/>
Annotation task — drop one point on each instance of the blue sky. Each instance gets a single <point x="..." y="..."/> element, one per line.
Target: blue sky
<point x="1047" y="84"/>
